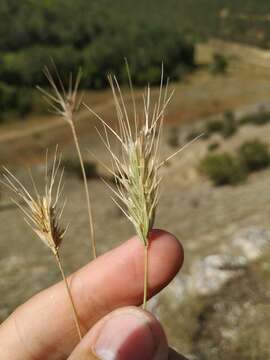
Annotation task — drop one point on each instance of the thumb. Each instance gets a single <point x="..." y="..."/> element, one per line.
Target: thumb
<point x="128" y="333"/>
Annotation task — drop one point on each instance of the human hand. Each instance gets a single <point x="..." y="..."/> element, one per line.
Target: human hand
<point x="104" y="292"/>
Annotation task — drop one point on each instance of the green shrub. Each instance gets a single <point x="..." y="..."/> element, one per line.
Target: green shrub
<point x="173" y="139"/>
<point x="8" y="97"/>
<point x="223" y="169"/>
<point x="226" y="127"/>
<point x="254" y="155"/>
<point x="213" y="126"/>
<point x="213" y="146"/>
<point x="193" y="134"/>
<point x="229" y="125"/>
<point x="73" y="167"/>
<point x="24" y="102"/>
<point x="17" y="101"/>
<point x="218" y="65"/>
<point x="260" y="118"/>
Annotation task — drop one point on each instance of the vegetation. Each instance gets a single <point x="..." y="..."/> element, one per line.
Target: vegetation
<point x="73" y="167"/>
<point x="223" y="169"/>
<point x="97" y="36"/>
<point x="173" y="138"/>
<point x="261" y="118"/>
<point x="97" y="41"/>
<point x="12" y="99"/>
<point x="218" y="65"/>
<point x="213" y="126"/>
<point x="225" y="127"/>
<point x="213" y="146"/>
<point x="229" y="125"/>
<point x="254" y="155"/>
<point x="195" y="132"/>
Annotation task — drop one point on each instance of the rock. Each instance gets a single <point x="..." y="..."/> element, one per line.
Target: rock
<point x="208" y="275"/>
<point x="252" y="242"/>
<point x="212" y="272"/>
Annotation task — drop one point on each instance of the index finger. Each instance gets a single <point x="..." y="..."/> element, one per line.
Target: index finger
<point x="43" y="327"/>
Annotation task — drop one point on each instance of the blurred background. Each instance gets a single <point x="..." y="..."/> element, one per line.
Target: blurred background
<point x="215" y="196"/>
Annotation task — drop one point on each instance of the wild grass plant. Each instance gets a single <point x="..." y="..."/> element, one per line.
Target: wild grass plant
<point x="135" y="167"/>
<point x="43" y="213"/>
<point x="64" y="102"/>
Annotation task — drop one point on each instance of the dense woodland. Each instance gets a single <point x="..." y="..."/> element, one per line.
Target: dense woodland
<point x="97" y="35"/>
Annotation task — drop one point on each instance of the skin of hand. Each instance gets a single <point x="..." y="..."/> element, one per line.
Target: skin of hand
<point x="106" y="293"/>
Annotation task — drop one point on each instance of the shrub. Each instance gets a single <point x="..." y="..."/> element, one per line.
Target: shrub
<point x="260" y="118"/>
<point x="17" y="101"/>
<point x="73" y="167"/>
<point x="226" y="127"/>
<point x="218" y="65"/>
<point x="105" y="55"/>
<point x="223" y="169"/>
<point x="213" y="146"/>
<point x="173" y="138"/>
<point x="24" y="102"/>
<point x="193" y="134"/>
<point x="213" y="126"/>
<point x="254" y="155"/>
<point x="229" y="125"/>
<point x="8" y="98"/>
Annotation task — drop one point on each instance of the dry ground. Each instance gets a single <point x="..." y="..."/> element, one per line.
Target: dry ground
<point x="198" y="96"/>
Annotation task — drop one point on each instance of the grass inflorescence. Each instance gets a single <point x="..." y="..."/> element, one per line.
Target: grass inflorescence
<point x="65" y="102"/>
<point x="43" y="214"/>
<point x="135" y="167"/>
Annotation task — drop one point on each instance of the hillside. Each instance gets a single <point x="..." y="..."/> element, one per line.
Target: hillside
<point x="96" y="36"/>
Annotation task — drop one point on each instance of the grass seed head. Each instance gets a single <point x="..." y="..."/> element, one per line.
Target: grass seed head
<point x="41" y="211"/>
<point x="63" y="102"/>
<point x="135" y="168"/>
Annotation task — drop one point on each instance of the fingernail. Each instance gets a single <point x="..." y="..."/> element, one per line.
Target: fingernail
<point x="126" y="336"/>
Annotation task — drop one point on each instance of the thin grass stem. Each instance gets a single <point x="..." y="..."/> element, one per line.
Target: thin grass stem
<point x="74" y="311"/>
<point x="146" y="276"/>
<point x="89" y="207"/>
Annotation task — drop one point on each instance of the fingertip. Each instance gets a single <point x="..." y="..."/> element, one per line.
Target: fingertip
<point x="173" y="246"/>
<point x="128" y="333"/>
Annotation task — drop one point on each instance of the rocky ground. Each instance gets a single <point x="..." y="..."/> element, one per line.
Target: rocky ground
<point x="222" y="294"/>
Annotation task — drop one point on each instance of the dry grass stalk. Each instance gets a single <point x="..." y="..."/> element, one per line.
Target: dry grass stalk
<point x="135" y="167"/>
<point x="64" y="103"/>
<point x="43" y="215"/>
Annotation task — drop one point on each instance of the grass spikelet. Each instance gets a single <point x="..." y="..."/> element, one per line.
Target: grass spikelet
<point x="136" y="166"/>
<point x="65" y="103"/>
<point x="42" y="214"/>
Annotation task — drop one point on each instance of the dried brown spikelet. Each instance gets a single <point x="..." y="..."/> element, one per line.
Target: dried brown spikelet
<point x="43" y="215"/>
<point x="41" y="212"/>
